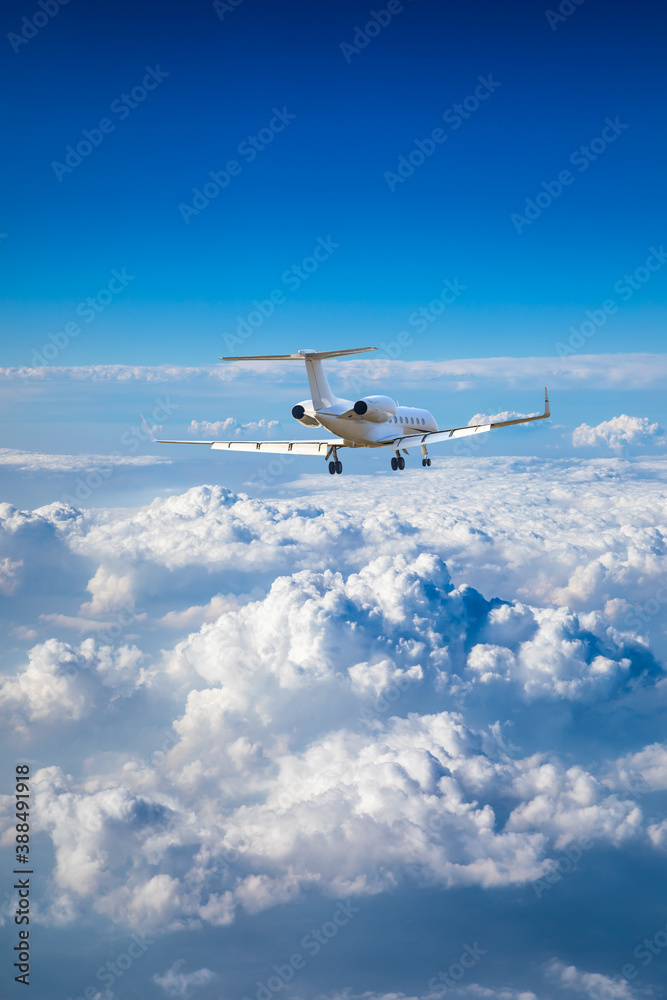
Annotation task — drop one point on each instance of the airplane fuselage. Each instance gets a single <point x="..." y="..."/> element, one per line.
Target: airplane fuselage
<point x="359" y="432"/>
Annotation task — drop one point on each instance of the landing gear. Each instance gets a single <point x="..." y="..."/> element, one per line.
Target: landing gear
<point x="398" y="462"/>
<point x="425" y="460"/>
<point x="335" y="466"/>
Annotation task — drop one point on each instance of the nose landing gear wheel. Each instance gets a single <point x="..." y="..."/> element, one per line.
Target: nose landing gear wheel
<point x="394" y="464"/>
<point x="332" y="468"/>
<point x="428" y="461"/>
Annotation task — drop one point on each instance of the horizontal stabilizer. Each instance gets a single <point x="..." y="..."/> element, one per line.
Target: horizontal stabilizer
<point x="301" y="355"/>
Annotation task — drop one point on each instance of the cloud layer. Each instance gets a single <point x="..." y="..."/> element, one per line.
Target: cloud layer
<point x="345" y="695"/>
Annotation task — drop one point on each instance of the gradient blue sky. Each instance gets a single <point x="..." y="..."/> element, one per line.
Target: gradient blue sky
<point x="324" y="176"/>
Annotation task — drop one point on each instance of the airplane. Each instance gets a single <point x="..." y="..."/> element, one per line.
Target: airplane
<point x="371" y="422"/>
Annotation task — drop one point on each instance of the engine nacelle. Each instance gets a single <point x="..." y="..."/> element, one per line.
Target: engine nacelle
<point x="375" y="408"/>
<point x="301" y="413"/>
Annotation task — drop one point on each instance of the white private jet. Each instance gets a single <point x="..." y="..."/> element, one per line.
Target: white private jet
<point x="371" y="422"/>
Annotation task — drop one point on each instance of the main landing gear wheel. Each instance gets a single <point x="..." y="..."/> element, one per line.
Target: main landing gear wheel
<point x="394" y="463"/>
<point x="339" y="467"/>
<point x="401" y="462"/>
<point x="332" y="468"/>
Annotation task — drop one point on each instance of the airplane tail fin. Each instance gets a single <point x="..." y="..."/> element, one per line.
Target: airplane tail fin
<point x="321" y="392"/>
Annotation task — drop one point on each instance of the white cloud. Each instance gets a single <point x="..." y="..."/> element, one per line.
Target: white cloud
<point x="214" y="429"/>
<point x="338" y="700"/>
<point x="492" y="418"/>
<point x="193" y="617"/>
<point x="610" y="371"/>
<point x="645" y="771"/>
<point x="619" y="432"/>
<point x="8" y="575"/>
<point x="61" y="682"/>
<point x="36" y="462"/>
<point x="592" y="985"/>
<point x="182" y="985"/>
<point x="110" y="591"/>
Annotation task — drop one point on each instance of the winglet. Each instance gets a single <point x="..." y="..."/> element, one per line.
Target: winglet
<point x="151" y="436"/>
<point x="547" y="408"/>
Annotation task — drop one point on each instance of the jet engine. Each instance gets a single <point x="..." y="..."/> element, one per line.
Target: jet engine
<point x="375" y="408"/>
<point x="300" y="413"/>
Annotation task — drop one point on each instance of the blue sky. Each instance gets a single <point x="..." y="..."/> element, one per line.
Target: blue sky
<point x="419" y="696"/>
<point x="324" y="175"/>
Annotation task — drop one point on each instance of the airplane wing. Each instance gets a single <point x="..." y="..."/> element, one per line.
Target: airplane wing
<point x="435" y="437"/>
<point x="306" y="446"/>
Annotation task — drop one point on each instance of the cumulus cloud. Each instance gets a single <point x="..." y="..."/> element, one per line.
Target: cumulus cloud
<point x="230" y="425"/>
<point x="181" y="985"/>
<point x="61" y="681"/>
<point x="619" y="432"/>
<point x="334" y="692"/>
<point x="8" y="574"/>
<point x="491" y="418"/>
<point x="109" y="590"/>
<point x="590" y="984"/>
